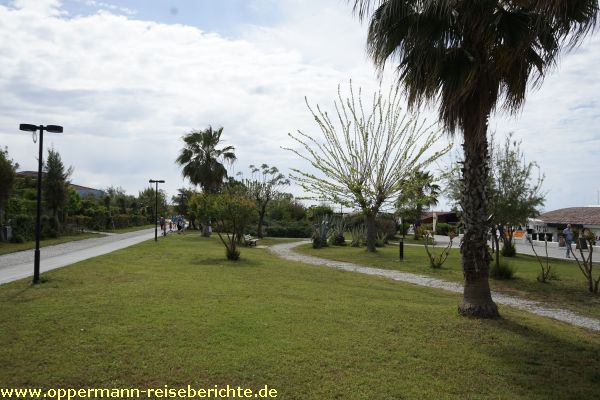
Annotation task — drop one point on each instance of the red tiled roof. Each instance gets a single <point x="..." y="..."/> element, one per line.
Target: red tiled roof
<point x="573" y="215"/>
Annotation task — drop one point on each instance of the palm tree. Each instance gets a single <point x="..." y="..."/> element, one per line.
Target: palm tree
<point x="469" y="56"/>
<point x="202" y="161"/>
<point x="419" y="193"/>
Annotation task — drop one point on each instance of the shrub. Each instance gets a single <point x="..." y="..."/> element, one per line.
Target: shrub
<point x="358" y="234"/>
<point x="121" y="221"/>
<point x="232" y="254"/>
<point x="504" y="271"/>
<point x="18" y="239"/>
<point x="23" y="225"/>
<point x="292" y="229"/>
<point x="508" y="249"/>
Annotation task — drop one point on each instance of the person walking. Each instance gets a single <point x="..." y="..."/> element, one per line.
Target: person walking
<point x="568" y="239"/>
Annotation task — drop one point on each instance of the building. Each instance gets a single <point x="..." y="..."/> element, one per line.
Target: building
<point x="553" y="222"/>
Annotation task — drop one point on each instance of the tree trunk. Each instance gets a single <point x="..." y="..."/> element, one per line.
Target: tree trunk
<point x="477" y="299"/>
<point x="261" y="217"/>
<point x="371" y="231"/>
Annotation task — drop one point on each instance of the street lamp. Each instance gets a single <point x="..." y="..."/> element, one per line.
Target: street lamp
<point x="41" y="128"/>
<point x="156" y="207"/>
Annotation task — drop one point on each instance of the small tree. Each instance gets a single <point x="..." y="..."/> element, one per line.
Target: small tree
<point x="7" y="180"/>
<point x="56" y="182"/>
<point x="232" y="212"/>
<point x="364" y="161"/>
<point x="586" y="265"/>
<point x="263" y="187"/>
<point x="516" y="193"/>
<point x="419" y="193"/>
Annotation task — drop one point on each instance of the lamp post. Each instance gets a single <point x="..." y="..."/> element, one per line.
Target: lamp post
<point x="41" y="128"/>
<point x="156" y="207"/>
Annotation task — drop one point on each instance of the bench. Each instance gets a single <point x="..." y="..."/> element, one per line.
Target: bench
<point x="250" y="241"/>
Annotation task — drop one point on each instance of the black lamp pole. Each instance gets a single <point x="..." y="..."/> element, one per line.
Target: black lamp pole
<point x="41" y="128"/>
<point x="156" y="208"/>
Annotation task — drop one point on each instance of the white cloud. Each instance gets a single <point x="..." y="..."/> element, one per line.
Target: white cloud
<point x="126" y="90"/>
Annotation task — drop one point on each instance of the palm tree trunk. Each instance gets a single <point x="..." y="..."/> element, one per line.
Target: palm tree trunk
<point x="477" y="299"/>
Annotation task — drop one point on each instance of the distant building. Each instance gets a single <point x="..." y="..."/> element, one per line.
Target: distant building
<point x="553" y="222"/>
<point x="82" y="191"/>
<point x="443" y="217"/>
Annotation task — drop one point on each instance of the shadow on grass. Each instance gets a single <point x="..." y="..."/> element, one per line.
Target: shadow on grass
<point x="542" y="362"/>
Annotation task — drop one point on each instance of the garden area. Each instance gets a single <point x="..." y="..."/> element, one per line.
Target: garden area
<point x="142" y="317"/>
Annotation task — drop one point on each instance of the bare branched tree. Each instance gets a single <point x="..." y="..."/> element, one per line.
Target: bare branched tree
<point x="364" y="158"/>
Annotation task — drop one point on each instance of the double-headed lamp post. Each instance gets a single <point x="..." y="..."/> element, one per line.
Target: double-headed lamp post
<point x="156" y="207"/>
<point x="41" y="128"/>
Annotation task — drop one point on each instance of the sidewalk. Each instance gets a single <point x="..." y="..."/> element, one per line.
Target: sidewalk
<point x="19" y="265"/>
<point x="558" y="253"/>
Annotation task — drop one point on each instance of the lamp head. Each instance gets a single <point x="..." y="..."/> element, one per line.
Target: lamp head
<point x="28" y="127"/>
<point x="54" y="128"/>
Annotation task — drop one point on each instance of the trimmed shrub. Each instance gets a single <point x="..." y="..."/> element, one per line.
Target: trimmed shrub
<point x="291" y="229"/>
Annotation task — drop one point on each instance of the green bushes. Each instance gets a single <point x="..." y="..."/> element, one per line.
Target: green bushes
<point x="441" y="228"/>
<point x="23" y="227"/>
<point x="292" y="229"/>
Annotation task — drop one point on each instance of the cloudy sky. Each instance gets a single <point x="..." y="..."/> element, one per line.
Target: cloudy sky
<point x="128" y="78"/>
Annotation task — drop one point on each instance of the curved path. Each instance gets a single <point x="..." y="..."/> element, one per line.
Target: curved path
<point x="19" y="265"/>
<point x="285" y="250"/>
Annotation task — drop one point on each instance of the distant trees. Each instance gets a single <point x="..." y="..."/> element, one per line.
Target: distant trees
<point x="202" y="161"/>
<point x="366" y="158"/>
<point x="419" y="193"/>
<point x="262" y="188"/>
<point x="7" y="180"/>
<point x="55" y="182"/>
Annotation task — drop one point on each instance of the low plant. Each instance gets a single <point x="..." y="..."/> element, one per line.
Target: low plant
<point x="436" y="260"/>
<point x="336" y="232"/>
<point x="508" y="249"/>
<point x="546" y="272"/>
<point x="357" y="234"/>
<point x="319" y="238"/>
<point x="503" y="271"/>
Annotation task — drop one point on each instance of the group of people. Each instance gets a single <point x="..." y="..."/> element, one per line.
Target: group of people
<point x="177" y="221"/>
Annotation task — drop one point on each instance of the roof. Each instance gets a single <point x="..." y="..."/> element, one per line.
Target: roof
<point x="573" y="215"/>
<point x="32" y="174"/>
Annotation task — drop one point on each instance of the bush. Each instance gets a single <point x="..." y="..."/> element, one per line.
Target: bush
<point x="232" y="254"/>
<point x="50" y="227"/>
<point x="291" y="229"/>
<point x="18" y="239"/>
<point x="121" y="221"/>
<point x="508" y="250"/>
<point x="23" y="226"/>
<point x="504" y="272"/>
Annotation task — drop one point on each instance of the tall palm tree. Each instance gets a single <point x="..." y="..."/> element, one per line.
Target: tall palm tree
<point x="202" y="161"/>
<point x="419" y="193"/>
<point x="470" y="56"/>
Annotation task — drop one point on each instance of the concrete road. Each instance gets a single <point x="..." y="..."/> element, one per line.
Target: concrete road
<point x="20" y="264"/>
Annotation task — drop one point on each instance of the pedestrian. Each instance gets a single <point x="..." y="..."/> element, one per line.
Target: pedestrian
<point x="569" y="239"/>
<point x="162" y="223"/>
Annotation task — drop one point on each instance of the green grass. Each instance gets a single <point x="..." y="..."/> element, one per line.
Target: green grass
<point x="176" y="313"/>
<point x="6" y="248"/>
<point x="570" y="291"/>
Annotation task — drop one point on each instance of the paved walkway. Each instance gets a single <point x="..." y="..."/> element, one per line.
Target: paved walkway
<point x="559" y="253"/>
<point x="285" y="250"/>
<point x="19" y="265"/>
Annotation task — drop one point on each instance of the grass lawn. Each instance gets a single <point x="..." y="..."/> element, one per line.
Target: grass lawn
<point x="6" y="248"/>
<point x="176" y="313"/>
<point x="570" y="291"/>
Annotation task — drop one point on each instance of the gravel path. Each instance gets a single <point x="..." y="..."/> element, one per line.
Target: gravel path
<point x="285" y="250"/>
